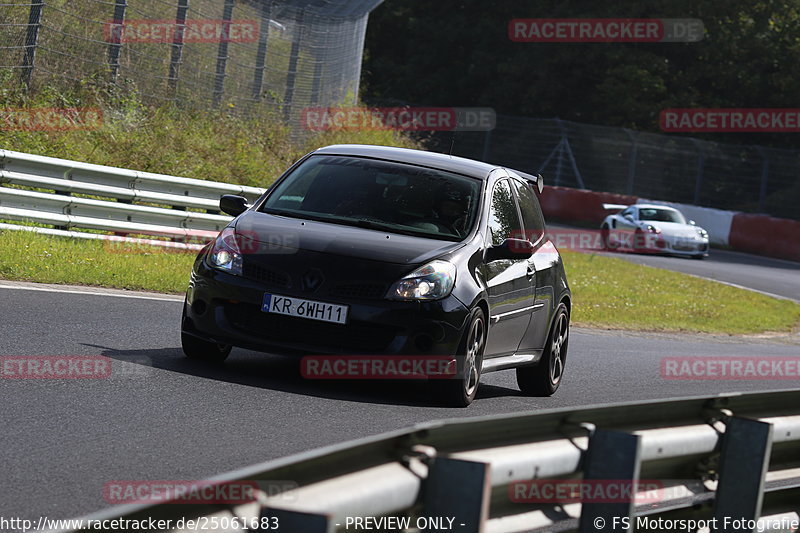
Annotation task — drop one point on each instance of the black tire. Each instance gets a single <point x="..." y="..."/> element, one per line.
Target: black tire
<point x="606" y="238"/>
<point x="460" y="390"/>
<point x="210" y="352"/>
<point x="545" y="378"/>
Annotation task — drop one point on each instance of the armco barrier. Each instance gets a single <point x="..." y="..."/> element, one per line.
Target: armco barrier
<point x="760" y="234"/>
<point x="732" y="456"/>
<point x="579" y="205"/>
<point x="122" y="201"/>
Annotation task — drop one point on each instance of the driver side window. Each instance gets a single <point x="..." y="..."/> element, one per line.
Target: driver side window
<point x="503" y="216"/>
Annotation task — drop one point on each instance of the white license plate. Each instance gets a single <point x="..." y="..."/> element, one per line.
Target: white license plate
<point x="284" y="305"/>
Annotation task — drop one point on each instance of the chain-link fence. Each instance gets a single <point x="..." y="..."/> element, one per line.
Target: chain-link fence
<point x="657" y="166"/>
<point x="286" y="54"/>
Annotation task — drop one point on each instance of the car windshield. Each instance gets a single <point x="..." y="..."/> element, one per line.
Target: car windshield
<point x="388" y="196"/>
<point x="661" y="215"/>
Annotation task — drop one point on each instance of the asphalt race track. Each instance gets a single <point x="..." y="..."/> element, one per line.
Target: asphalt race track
<point x="775" y="277"/>
<point x="160" y="416"/>
<point x="772" y="276"/>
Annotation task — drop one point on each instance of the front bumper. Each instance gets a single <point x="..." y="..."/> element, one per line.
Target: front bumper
<point x="227" y="309"/>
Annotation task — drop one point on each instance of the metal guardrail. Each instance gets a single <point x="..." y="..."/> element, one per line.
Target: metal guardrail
<point x="732" y="456"/>
<point x="133" y="202"/>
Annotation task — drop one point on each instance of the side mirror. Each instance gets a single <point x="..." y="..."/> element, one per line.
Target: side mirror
<point x="628" y="217"/>
<point x="510" y="249"/>
<point x="233" y="205"/>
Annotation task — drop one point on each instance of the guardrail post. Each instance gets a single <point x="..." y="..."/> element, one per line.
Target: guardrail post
<point x="31" y="40"/>
<point x="746" y="447"/>
<point x="222" y="52"/>
<point x="291" y="75"/>
<point x="261" y="51"/>
<point x="177" y="43"/>
<point x="457" y="489"/>
<point x="612" y="457"/>
<point x="116" y="36"/>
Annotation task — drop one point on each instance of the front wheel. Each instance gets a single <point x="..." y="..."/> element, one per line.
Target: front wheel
<point x="211" y="352"/>
<point x="460" y="390"/>
<point x="545" y="378"/>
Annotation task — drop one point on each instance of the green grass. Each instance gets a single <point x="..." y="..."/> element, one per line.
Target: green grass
<point x="27" y="256"/>
<point x="244" y="146"/>
<point x="608" y="292"/>
<point x="614" y="293"/>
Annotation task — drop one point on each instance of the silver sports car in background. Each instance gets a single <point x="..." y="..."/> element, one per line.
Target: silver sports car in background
<point x="655" y="229"/>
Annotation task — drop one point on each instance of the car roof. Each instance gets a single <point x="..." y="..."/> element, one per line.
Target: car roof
<point x="459" y="165"/>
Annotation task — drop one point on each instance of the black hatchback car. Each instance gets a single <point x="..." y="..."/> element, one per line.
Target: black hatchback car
<point x="369" y="250"/>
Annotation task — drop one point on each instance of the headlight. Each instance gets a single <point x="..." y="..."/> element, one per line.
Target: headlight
<point x="702" y="233"/>
<point x="225" y="254"/>
<point x="652" y="229"/>
<point x="430" y="282"/>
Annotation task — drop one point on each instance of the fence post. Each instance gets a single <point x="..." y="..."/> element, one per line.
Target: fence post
<point x="701" y="163"/>
<point x="115" y="37"/>
<point x="222" y="52"/>
<point x="291" y="75"/>
<point x="177" y="43"/>
<point x="34" y="23"/>
<point x="261" y="51"/>
<point x="632" y="161"/>
<point x="762" y="191"/>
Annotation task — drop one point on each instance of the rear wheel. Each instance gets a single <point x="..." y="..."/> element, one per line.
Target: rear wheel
<point x="545" y="378"/>
<point x="460" y="390"/>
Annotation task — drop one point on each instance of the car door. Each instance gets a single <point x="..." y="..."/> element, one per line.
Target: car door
<point x="542" y="263"/>
<point x="508" y="281"/>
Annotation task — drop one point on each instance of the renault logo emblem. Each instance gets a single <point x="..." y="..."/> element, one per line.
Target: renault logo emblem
<point x="311" y="280"/>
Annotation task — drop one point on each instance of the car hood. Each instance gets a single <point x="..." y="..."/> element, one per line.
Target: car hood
<point x="283" y="235"/>
<point x="673" y="229"/>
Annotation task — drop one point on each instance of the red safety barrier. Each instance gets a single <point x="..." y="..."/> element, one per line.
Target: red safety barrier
<point x="764" y="235"/>
<point x="579" y="205"/>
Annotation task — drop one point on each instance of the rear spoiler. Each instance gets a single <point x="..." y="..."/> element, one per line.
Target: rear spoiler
<point x="534" y="179"/>
<point x="614" y="207"/>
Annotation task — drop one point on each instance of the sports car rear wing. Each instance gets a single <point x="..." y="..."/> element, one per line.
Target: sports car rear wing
<point x="614" y="207"/>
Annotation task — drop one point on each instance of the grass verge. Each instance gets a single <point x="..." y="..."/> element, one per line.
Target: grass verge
<point x="608" y="292"/>
<point x="614" y="293"/>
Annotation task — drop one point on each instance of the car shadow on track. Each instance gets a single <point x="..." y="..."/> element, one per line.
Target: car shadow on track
<point x="282" y="373"/>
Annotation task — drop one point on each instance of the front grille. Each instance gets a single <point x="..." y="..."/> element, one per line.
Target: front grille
<point x="353" y="337"/>
<point x="359" y="291"/>
<point x="265" y="275"/>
